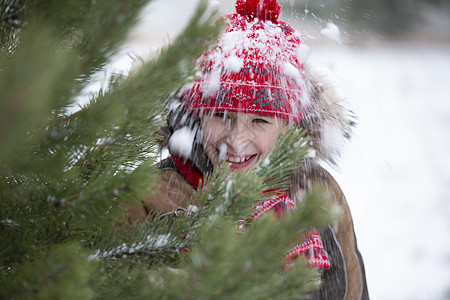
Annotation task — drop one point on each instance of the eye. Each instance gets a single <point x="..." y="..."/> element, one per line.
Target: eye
<point x="221" y="115"/>
<point x="260" y="121"/>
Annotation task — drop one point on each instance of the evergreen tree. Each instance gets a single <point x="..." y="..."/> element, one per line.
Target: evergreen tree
<point x="65" y="178"/>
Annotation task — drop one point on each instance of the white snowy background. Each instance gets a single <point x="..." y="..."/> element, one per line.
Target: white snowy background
<point x="396" y="170"/>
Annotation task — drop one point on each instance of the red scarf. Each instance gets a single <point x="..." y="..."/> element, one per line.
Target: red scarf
<point x="310" y="243"/>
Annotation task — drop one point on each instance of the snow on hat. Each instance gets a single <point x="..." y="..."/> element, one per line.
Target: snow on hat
<point x="256" y="66"/>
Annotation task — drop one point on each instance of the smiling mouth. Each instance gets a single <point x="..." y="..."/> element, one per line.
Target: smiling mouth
<point x="238" y="160"/>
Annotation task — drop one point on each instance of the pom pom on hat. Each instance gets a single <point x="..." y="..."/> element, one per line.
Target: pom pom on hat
<point x="254" y="68"/>
<point x="261" y="9"/>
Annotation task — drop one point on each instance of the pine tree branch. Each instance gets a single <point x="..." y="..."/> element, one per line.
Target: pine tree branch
<point x="55" y="272"/>
<point x="105" y="36"/>
<point x="192" y="287"/>
<point x="71" y="176"/>
<point x="65" y="202"/>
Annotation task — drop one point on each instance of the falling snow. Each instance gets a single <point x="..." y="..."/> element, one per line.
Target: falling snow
<point x="303" y="53"/>
<point x="181" y="141"/>
<point x="233" y="64"/>
<point x="290" y="70"/>
<point x="332" y="32"/>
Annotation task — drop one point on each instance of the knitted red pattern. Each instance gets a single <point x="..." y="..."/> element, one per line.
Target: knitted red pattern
<point x="255" y="67"/>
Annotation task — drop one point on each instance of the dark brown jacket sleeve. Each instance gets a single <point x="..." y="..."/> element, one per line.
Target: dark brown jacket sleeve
<point x="346" y="277"/>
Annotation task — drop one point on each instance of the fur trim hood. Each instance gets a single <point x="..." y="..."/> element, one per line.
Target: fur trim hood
<point x="327" y="121"/>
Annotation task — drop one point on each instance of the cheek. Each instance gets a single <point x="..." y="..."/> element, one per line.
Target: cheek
<point x="209" y="133"/>
<point x="267" y="141"/>
<point x="212" y="134"/>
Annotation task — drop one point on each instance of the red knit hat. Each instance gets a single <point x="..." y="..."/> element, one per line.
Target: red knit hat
<point x="254" y="68"/>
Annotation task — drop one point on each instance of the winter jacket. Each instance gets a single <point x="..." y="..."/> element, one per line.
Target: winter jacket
<point x="345" y="279"/>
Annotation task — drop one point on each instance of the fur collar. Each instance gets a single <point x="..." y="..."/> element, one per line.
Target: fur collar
<point x="327" y="121"/>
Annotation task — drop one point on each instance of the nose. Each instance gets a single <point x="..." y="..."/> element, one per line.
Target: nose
<point x="239" y="137"/>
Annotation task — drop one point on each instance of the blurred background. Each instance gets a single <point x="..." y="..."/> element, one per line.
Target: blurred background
<point x="391" y="58"/>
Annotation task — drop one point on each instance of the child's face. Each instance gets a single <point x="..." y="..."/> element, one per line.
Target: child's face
<point x="239" y="138"/>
